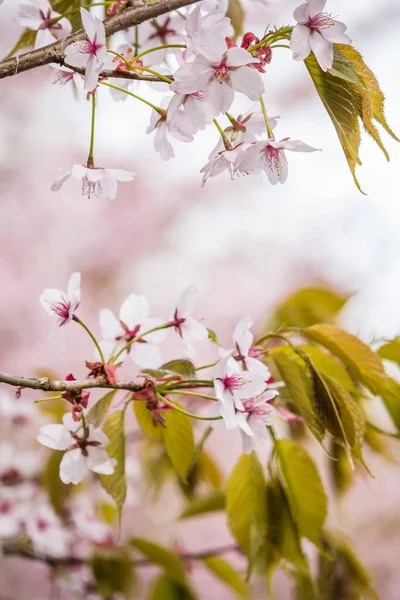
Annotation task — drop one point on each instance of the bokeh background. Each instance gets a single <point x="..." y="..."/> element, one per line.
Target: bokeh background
<point x="244" y="243"/>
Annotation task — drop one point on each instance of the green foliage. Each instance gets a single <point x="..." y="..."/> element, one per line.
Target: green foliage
<point x="326" y="364"/>
<point x="341" y="574"/>
<point x="226" y="573"/>
<point x="307" y="307"/>
<point x="363" y="364"/>
<point x="201" y="505"/>
<point x="391" y="399"/>
<point x="167" y="588"/>
<point x="293" y="371"/>
<point x="246" y="505"/>
<point x="145" y="420"/>
<point x="179" y="441"/>
<point x="159" y="555"/>
<point x="115" y="484"/>
<point x="182" y="367"/>
<point x="390" y="351"/>
<point x="340" y="468"/>
<point x="303" y="488"/>
<point x="350" y="93"/>
<point x="113" y="573"/>
<point x="58" y="491"/>
<point x="99" y="410"/>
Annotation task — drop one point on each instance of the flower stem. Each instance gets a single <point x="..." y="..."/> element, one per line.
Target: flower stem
<point x="222" y="134"/>
<point x="86" y="328"/>
<point x="196" y="394"/>
<point x="90" y="160"/>
<point x="138" y="56"/>
<point x="124" y="60"/>
<point x="185" y="412"/>
<point x="146" y="70"/>
<point x="120" y="89"/>
<point x="267" y="124"/>
<point x="49" y="399"/>
<point x="206" y="366"/>
<point x="137" y="338"/>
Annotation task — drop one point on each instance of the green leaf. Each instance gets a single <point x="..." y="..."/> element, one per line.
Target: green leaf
<point x="204" y="505"/>
<point x="182" y="367"/>
<point x="207" y="470"/>
<point x="363" y="364"/>
<point x="390" y="351"/>
<point x="246" y="505"/>
<point x="236" y="14"/>
<point x="328" y="365"/>
<point x="159" y="555"/>
<point x="342" y="473"/>
<point x="212" y="336"/>
<point x="293" y="371"/>
<point x="99" y="410"/>
<point x="375" y="97"/>
<point x="226" y="573"/>
<point x="113" y="573"/>
<point x="341" y="574"/>
<point x="303" y="489"/>
<point x="391" y="399"/>
<point x="62" y="6"/>
<point x="167" y="588"/>
<point x="307" y="307"/>
<point x="115" y="484"/>
<point x="179" y="441"/>
<point x="58" y="491"/>
<point x="341" y="102"/>
<point x="145" y="420"/>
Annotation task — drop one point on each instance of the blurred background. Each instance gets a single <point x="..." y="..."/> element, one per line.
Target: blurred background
<point x="244" y="243"/>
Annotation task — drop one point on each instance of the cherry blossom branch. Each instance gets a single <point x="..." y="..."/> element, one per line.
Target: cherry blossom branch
<point x="107" y="73"/>
<point x="54" y="53"/>
<point x="48" y="385"/>
<point x="71" y="561"/>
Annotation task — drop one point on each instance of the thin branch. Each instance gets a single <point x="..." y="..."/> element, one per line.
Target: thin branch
<point x="55" y="52"/>
<point x="48" y="385"/>
<point x="71" y="561"/>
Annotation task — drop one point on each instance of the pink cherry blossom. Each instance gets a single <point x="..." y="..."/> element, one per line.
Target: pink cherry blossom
<point x="219" y="72"/>
<point x="133" y="322"/>
<point x="96" y="181"/>
<point x="84" y="450"/>
<point x="200" y="29"/>
<point x="39" y="16"/>
<point x="269" y="156"/>
<point x="232" y="386"/>
<point x="316" y="32"/>
<point x="195" y="108"/>
<point x="89" y="53"/>
<point x="220" y="162"/>
<point x="45" y="530"/>
<point x="185" y="325"/>
<point x="62" y="306"/>
<point x="178" y="127"/>
<point x="244" y="351"/>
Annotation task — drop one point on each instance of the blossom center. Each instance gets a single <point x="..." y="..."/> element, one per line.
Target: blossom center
<point x="5" y="507"/>
<point x="162" y="31"/>
<point x="274" y="156"/>
<point x="321" y="21"/>
<point x="222" y="73"/>
<point x="62" y="309"/>
<point x="89" y="47"/>
<point x="47" y="21"/>
<point x="42" y="524"/>
<point x="233" y="382"/>
<point x="90" y="188"/>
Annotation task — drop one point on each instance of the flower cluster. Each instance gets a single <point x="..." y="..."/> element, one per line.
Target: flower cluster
<point x="193" y="56"/>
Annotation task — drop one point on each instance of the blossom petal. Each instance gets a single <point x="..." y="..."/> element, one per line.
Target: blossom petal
<point x="146" y="356"/>
<point x="121" y="175"/>
<point x="74" y="290"/>
<point x="316" y="6"/>
<point x="322" y="49"/>
<point x="336" y="33"/>
<point x="193" y="329"/>
<point x="60" y="181"/>
<point x="110" y="327"/>
<point x="248" y="81"/>
<point x="134" y="310"/>
<point x="239" y="57"/>
<point x="302" y="13"/>
<point x="89" y="23"/>
<point x="300" y="42"/>
<point x="72" y="467"/>
<point x="298" y="146"/>
<point x="54" y="436"/>
<point x="187" y="301"/>
<point x="98" y="461"/>
<point x="242" y="335"/>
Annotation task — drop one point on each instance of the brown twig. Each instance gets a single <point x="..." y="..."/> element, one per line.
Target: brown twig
<point x="55" y="52"/>
<point x="48" y="385"/>
<point x="71" y="561"/>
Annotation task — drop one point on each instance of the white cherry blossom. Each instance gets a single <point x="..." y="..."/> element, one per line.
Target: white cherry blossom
<point x="82" y="451"/>
<point x="202" y="28"/>
<point x="220" y="162"/>
<point x="219" y="72"/>
<point x="90" y="53"/>
<point x="316" y="32"/>
<point x="45" y="530"/>
<point x="96" y="181"/>
<point x="269" y="156"/>
<point x="132" y="323"/>
<point x="62" y="306"/>
<point x="185" y="325"/>
<point x="232" y="385"/>
<point x="244" y="351"/>
<point x="178" y="127"/>
<point x="39" y="16"/>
